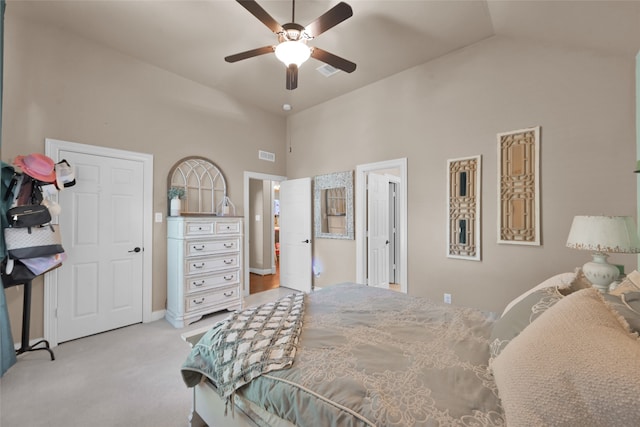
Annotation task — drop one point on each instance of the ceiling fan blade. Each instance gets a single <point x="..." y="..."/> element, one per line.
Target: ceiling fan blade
<point x="292" y="77"/>
<point x="329" y="19"/>
<point x="256" y="10"/>
<point x="249" y="54"/>
<point x="333" y="60"/>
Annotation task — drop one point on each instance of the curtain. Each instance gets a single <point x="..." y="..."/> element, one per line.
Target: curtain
<point x="7" y="351"/>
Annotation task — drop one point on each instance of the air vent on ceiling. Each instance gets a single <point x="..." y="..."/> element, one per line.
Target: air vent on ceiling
<point x="327" y="70"/>
<point x="265" y="155"/>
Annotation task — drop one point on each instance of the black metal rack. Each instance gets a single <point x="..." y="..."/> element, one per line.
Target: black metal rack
<point x="16" y="280"/>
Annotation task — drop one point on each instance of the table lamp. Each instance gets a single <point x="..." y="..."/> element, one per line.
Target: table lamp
<point x="603" y="235"/>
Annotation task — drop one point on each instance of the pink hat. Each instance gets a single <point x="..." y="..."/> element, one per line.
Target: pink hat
<point x="37" y="166"/>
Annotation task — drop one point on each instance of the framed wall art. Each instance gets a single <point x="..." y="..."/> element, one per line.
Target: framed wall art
<point x="519" y="187"/>
<point x="464" y="194"/>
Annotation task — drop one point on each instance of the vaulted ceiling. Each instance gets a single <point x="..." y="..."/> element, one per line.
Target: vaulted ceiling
<point x="191" y="37"/>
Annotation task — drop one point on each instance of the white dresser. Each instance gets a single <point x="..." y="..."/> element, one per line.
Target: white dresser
<point x="204" y="266"/>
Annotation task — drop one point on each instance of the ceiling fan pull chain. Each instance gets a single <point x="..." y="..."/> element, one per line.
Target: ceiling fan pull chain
<point x="293" y="12"/>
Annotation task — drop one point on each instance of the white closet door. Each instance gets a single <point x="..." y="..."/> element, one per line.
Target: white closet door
<point x="100" y="284"/>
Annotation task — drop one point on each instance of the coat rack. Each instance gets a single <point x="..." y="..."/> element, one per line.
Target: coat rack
<point x="23" y="279"/>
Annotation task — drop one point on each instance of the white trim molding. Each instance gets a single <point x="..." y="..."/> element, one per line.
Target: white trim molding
<point x="361" y="217"/>
<point x="52" y="149"/>
<point x="247" y="222"/>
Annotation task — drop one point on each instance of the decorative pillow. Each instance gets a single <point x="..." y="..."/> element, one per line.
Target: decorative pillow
<point x="577" y="365"/>
<point x="626" y="305"/>
<point x="520" y="315"/>
<point x="579" y="282"/>
<point x="560" y="281"/>
<point x="631" y="283"/>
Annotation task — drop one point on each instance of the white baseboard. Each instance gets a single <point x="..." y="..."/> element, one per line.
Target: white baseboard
<point x="261" y="272"/>
<point x="157" y="315"/>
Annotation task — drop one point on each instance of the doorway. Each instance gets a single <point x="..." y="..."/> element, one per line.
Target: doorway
<point x="262" y="263"/>
<point x="395" y="268"/>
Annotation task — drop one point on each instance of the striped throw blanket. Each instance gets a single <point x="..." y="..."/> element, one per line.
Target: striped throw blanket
<point x="247" y="344"/>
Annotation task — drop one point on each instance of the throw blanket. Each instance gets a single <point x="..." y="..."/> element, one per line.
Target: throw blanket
<point x="247" y="344"/>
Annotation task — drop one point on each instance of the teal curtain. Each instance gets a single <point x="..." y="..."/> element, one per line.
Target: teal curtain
<point x="7" y="351"/>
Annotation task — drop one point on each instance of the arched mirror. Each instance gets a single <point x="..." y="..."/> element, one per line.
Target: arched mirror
<point x="333" y="205"/>
<point x="201" y="185"/>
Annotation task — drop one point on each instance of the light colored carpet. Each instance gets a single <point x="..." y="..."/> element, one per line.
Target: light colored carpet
<point x="126" y="377"/>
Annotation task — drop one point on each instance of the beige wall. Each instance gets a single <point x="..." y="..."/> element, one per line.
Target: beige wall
<point x="454" y="107"/>
<point x="59" y="86"/>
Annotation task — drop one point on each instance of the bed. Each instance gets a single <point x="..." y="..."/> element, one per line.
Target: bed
<point x="364" y="356"/>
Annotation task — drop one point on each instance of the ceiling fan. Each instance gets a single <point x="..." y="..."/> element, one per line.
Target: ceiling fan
<point x="292" y="47"/>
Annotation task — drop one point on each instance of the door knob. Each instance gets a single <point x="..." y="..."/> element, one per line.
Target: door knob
<point x="305" y="241"/>
<point x="136" y="250"/>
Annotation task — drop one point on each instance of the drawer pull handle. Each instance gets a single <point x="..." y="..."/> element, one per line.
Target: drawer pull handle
<point x="229" y="277"/>
<point x="199" y="228"/>
<point x="228" y="245"/>
<point x="198" y="302"/>
<point x="198" y="284"/>
<point x="201" y="248"/>
<point x="198" y="266"/>
<point x="228" y="294"/>
<point x="228" y="261"/>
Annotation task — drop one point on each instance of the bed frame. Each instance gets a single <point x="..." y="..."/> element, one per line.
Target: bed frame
<point x="208" y="410"/>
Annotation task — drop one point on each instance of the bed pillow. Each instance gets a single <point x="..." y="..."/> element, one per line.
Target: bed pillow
<point x="631" y="283"/>
<point x="576" y="365"/>
<point x="579" y="282"/>
<point x="520" y="315"/>
<point x="561" y="280"/>
<point x="626" y="305"/>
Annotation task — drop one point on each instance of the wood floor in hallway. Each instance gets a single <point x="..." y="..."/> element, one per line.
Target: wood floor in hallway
<point x="258" y="283"/>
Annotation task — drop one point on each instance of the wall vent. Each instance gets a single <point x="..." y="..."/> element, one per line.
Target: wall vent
<point x="265" y="155"/>
<point x="327" y="70"/>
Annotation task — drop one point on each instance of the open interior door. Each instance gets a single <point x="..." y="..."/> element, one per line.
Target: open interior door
<point x="378" y="227"/>
<point x="295" y="234"/>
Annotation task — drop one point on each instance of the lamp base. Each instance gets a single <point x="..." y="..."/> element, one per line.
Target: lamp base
<point x="600" y="273"/>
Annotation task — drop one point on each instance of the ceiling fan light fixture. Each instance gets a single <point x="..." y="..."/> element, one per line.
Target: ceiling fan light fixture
<point x="293" y="52"/>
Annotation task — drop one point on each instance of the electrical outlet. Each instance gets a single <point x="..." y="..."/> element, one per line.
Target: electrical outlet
<point x="447" y="298"/>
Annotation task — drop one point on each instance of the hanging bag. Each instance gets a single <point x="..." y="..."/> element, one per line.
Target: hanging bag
<point x="43" y="264"/>
<point x="33" y="242"/>
<point x="28" y="216"/>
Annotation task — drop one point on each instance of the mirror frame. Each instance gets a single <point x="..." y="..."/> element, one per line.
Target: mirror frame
<point x="324" y="182"/>
<point x="198" y="175"/>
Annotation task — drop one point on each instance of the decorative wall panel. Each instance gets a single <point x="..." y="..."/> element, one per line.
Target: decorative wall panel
<point x="519" y="187"/>
<point x="464" y="193"/>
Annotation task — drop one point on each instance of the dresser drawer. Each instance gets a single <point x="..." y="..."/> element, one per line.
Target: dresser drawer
<point x="195" y="284"/>
<point x="211" y="247"/>
<point x="228" y="227"/>
<point x="199" y="228"/>
<point x="203" y="265"/>
<point x="223" y="296"/>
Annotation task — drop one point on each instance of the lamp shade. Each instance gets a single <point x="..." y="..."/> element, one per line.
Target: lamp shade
<point x="293" y="52"/>
<point x="607" y="234"/>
